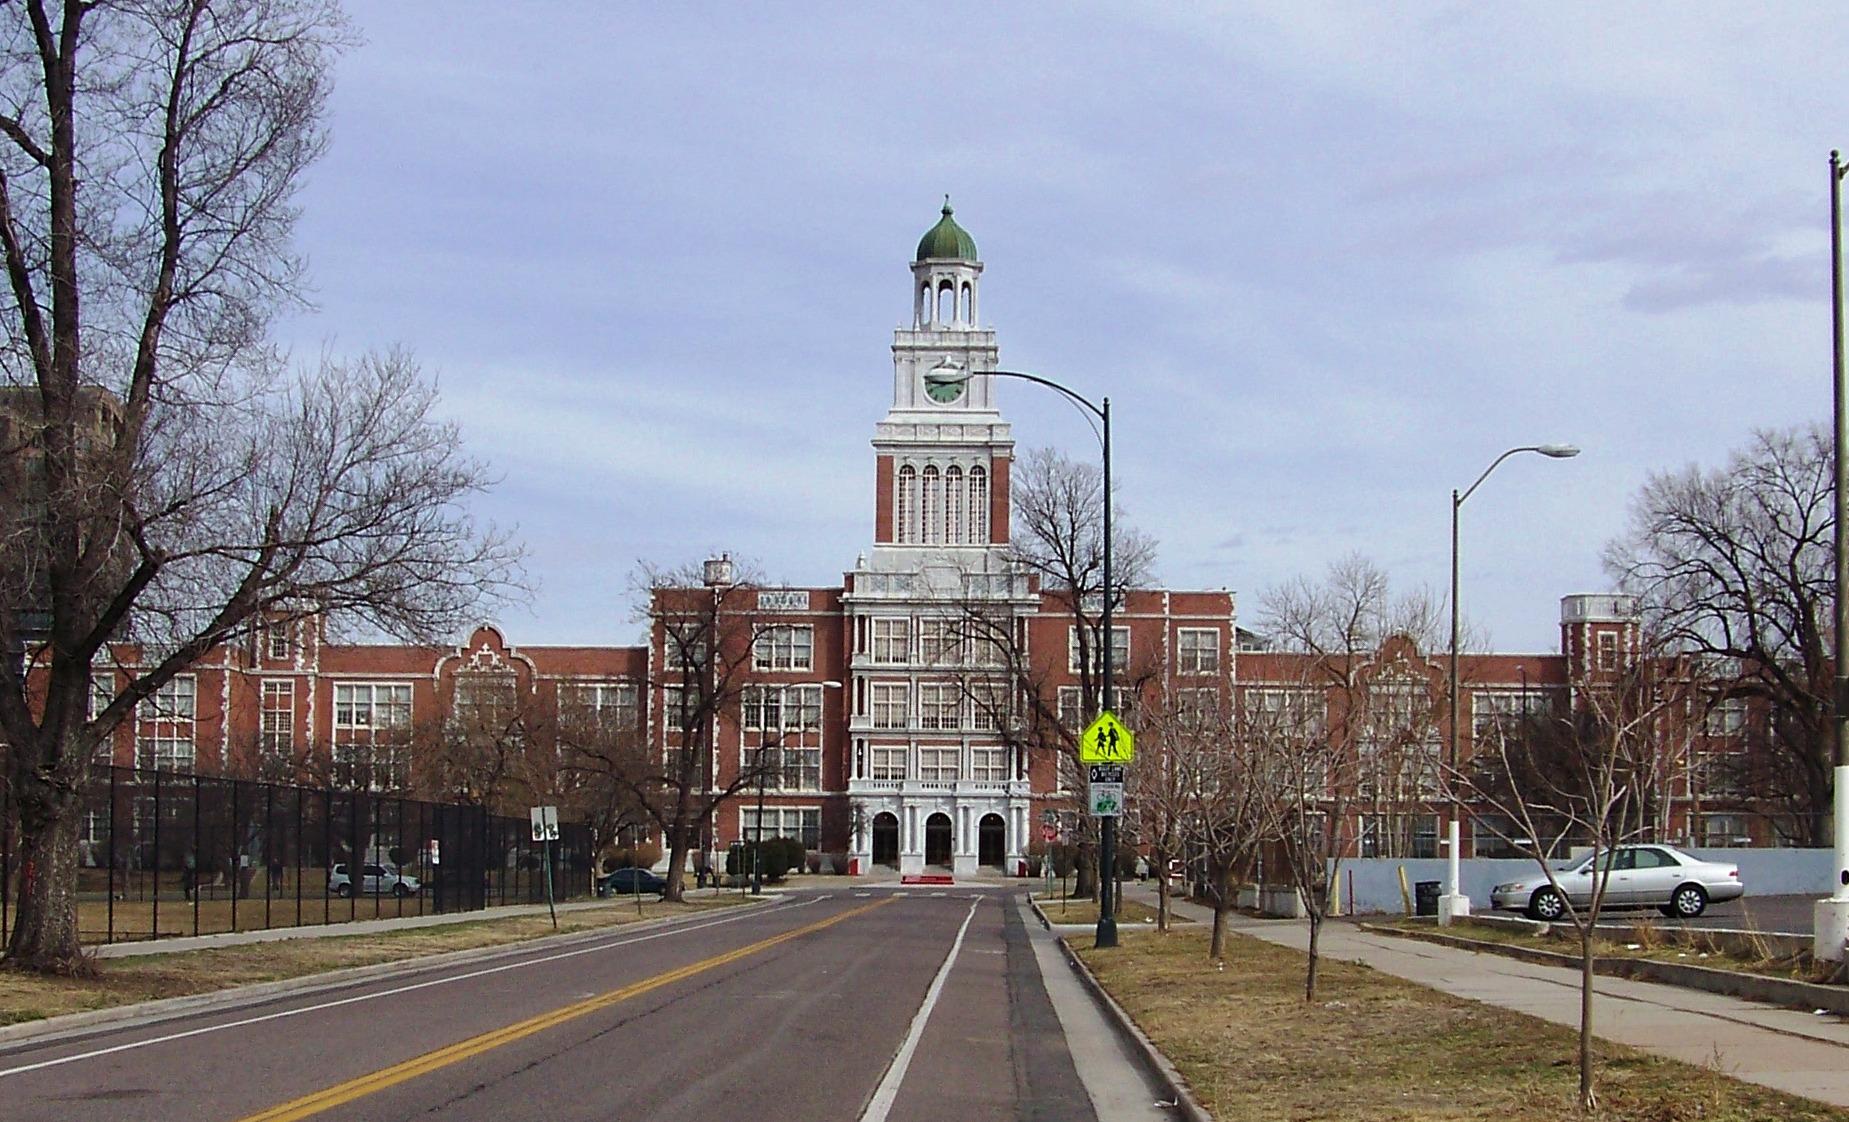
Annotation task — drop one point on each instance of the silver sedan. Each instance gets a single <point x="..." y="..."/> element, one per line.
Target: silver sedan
<point x="1640" y="876"/>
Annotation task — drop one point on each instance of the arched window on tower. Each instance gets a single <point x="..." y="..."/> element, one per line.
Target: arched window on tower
<point x="965" y="311"/>
<point x="921" y="310"/>
<point x="931" y="511"/>
<point x="946" y="304"/>
<point x="978" y="506"/>
<point x="905" y="505"/>
<point x="953" y="506"/>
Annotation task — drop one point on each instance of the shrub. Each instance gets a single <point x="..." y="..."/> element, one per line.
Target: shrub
<point x="780" y="856"/>
<point x="1065" y="857"/>
<point x="815" y="862"/>
<point x="838" y="863"/>
<point x="644" y="856"/>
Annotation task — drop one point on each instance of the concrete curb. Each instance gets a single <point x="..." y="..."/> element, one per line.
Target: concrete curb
<point x="1154" y="1062"/>
<point x="1786" y="992"/>
<point x="52" y="1029"/>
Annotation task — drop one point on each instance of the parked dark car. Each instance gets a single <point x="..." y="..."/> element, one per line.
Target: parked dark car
<point x="631" y="882"/>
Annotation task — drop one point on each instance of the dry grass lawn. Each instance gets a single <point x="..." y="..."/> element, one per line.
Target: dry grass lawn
<point x="1646" y="940"/>
<point x="1374" y="1047"/>
<point x="1083" y="909"/>
<point x="123" y="981"/>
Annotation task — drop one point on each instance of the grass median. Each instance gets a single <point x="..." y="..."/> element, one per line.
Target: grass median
<point x="125" y="981"/>
<point x="1083" y="909"/>
<point x="1747" y="952"/>
<point x="1373" y="1047"/>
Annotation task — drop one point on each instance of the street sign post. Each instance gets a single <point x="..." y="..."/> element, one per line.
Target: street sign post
<point x="1107" y="741"/>
<point x="545" y="821"/>
<point x="1106" y="784"/>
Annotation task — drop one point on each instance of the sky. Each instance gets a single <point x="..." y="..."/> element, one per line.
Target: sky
<point x="1328" y="261"/>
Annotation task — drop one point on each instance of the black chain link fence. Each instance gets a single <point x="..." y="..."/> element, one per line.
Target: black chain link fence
<point x="164" y="854"/>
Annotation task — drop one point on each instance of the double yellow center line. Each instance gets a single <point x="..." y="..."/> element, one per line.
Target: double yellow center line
<point x="347" y="1092"/>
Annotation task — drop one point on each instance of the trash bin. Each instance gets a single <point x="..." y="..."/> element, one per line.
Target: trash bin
<point x="1425" y="898"/>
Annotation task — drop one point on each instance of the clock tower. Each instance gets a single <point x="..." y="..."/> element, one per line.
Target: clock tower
<point x="934" y="781"/>
<point x="943" y="448"/>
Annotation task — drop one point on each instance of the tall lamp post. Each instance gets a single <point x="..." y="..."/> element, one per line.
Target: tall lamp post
<point x="1454" y="903"/>
<point x="1830" y="924"/>
<point x="950" y="373"/>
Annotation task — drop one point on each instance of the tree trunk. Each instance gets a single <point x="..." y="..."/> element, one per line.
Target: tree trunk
<point x="44" y="934"/>
<point x="1085" y="874"/>
<point x="1588" y="1098"/>
<point x="677" y="861"/>
<point x="1162" y="890"/>
<point x="1316" y="933"/>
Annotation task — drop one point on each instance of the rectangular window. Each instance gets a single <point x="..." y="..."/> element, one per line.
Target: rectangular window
<point x="609" y="706"/>
<point x="988" y="706"/>
<point x="939" y="642"/>
<point x="888" y="764"/>
<point x="1071" y="711"/>
<point x="988" y="765"/>
<point x="1503" y="713"/>
<point x="1727" y="718"/>
<point x="938" y="765"/>
<point x="892" y="640"/>
<point x="102" y="692"/>
<point x="781" y="707"/>
<point x="790" y="766"/>
<point x="803" y="823"/>
<point x="939" y="704"/>
<point x="1608" y="650"/>
<point x="276" y="643"/>
<point x="372" y="728"/>
<point x="784" y="647"/>
<point x="276" y="734"/>
<point x="1722" y="830"/>
<point x="1196" y="709"/>
<point x="891" y="703"/>
<point x="1120" y="650"/>
<point x="1197" y="650"/>
<point x="164" y="726"/>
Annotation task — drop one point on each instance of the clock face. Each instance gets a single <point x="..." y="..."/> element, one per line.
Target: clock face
<point x="944" y="392"/>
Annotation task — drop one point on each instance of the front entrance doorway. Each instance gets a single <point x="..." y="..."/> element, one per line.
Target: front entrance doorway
<point x="992" y="841"/>
<point x="886" y="839"/>
<point x="937" y="840"/>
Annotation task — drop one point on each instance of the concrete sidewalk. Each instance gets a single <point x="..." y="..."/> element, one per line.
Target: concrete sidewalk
<point x="1801" y="1053"/>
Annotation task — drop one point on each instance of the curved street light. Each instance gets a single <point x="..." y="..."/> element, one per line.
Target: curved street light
<point x="1454" y="903"/>
<point x="949" y="372"/>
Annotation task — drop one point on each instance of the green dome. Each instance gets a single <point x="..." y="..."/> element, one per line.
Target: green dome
<point x="946" y="240"/>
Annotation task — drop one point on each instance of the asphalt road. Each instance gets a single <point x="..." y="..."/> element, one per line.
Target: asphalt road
<point x="1784" y="914"/>
<point x="850" y="1005"/>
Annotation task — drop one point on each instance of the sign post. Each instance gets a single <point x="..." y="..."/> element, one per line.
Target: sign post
<point x="1107" y="742"/>
<point x="546" y="829"/>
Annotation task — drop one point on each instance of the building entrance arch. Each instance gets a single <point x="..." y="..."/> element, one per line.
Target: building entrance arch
<point x="937" y="840"/>
<point x="992" y="841"/>
<point x="886" y="839"/>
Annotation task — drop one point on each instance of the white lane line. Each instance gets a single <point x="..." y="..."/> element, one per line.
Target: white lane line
<point x="247" y="1021"/>
<point x="888" y="1089"/>
<point x="862" y="895"/>
<point x="939" y="895"/>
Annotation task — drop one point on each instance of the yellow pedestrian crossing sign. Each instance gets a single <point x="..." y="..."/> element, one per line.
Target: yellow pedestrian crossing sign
<point x="1107" y="741"/>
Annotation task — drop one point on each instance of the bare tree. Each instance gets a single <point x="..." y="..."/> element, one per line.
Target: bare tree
<point x="169" y="482"/>
<point x="1057" y="507"/>
<point x="1199" y="789"/>
<point x="703" y="631"/>
<point x="1734" y="564"/>
<point x="1370" y="742"/>
<point x="1595" y="774"/>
